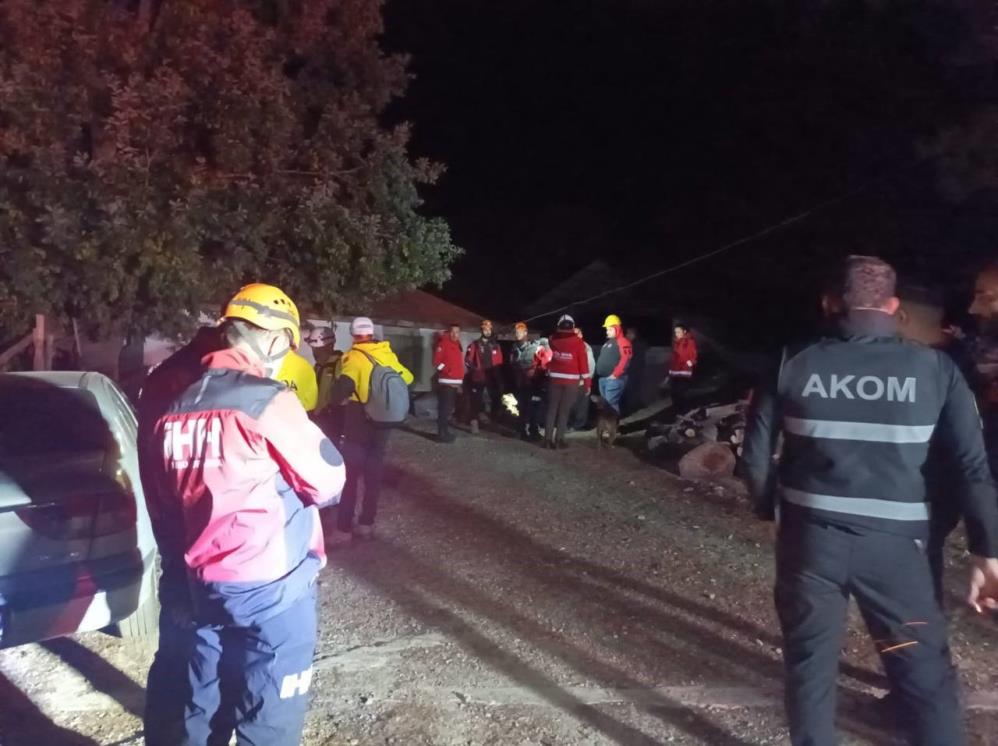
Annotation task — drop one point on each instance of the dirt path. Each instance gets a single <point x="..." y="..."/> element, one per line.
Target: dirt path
<point x="517" y="596"/>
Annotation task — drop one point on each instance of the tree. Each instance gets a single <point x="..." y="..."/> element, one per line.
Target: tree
<point x="156" y="155"/>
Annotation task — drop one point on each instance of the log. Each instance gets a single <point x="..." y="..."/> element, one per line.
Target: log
<point x="707" y="461"/>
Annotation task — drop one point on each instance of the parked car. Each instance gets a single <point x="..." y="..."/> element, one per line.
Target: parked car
<point x="76" y="546"/>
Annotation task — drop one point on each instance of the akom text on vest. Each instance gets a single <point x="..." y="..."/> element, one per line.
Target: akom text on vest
<point x="868" y="388"/>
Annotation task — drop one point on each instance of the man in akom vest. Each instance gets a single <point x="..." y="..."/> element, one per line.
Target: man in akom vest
<point x="858" y="411"/>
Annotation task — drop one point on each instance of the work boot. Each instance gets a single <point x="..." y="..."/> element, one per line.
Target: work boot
<point x="338" y="539"/>
<point x="362" y="531"/>
<point x="474" y="426"/>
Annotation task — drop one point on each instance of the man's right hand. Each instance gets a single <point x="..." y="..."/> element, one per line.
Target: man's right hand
<point x="983" y="583"/>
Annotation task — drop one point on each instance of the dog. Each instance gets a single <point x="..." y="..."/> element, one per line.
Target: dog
<point x="607" y="423"/>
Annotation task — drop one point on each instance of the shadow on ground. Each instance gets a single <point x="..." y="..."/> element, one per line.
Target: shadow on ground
<point x="663" y="628"/>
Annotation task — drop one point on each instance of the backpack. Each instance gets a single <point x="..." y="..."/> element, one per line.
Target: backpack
<point x="388" y="395"/>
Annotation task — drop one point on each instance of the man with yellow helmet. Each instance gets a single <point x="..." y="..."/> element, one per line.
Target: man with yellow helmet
<point x="235" y="474"/>
<point x="613" y="362"/>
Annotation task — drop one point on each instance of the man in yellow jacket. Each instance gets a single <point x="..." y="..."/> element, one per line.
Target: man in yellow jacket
<point x="364" y="443"/>
<point x="298" y="375"/>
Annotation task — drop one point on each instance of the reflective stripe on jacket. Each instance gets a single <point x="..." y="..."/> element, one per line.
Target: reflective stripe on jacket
<point x="857" y="413"/>
<point x="448" y="361"/>
<point x="684" y="357"/>
<point x="569" y="363"/>
<point x="248" y="469"/>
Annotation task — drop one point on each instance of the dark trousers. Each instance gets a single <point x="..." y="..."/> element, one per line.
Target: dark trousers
<point x="579" y="416"/>
<point x="364" y="449"/>
<point x="168" y="691"/>
<point x="945" y="518"/>
<point x="819" y="566"/>
<point x="446" y="401"/>
<point x="529" y="399"/>
<point x="679" y="391"/>
<point x="560" y="401"/>
<point x="253" y="680"/>
<point x="493" y="384"/>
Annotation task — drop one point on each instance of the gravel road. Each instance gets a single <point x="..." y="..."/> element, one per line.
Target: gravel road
<point x="519" y="596"/>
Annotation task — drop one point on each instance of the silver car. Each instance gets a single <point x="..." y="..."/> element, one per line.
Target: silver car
<point x="76" y="547"/>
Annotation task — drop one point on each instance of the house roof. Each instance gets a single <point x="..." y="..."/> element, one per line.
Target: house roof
<point x="420" y="308"/>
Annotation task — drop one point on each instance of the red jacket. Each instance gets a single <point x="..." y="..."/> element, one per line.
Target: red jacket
<point x="569" y="360"/>
<point x="247" y="469"/>
<point x="684" y="357"/>
<point x="483" y="355"/>
<point x="448" y="360"/>
<point x="614" y="356"/>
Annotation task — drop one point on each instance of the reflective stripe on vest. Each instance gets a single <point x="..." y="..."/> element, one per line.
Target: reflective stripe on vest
<point x="681" y="373"/>
<point x="457" y="381"/>
<point x="870" y="432"/>
<point x="570" y="376"/>
<point x="861" y="506"/>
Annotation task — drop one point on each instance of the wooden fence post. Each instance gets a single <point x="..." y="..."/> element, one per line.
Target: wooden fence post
<point x="39" y="343"/>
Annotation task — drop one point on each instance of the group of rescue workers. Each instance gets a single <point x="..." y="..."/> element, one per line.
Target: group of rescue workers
<point x="546" y="382"/>
<point x="882" y="454"/>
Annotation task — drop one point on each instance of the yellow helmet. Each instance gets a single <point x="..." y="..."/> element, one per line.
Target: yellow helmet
<point x="267" y="307"/>
<point x="612" y="320"/>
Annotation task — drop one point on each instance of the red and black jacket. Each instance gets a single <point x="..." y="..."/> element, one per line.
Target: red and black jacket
<point x="615" y="356"/>
<point x="483" y="355"/>
<point x="238" y="473"/>
<point x="569" y="361"/>
<point x="448" y="361"/>
<point x="684" y="357"/>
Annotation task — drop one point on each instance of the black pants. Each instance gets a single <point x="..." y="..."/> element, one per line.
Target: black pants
<point x="364" y="449"/>
<point x="493" y="384"/>
<point x="679" y="390"/>
<point x="560" y="401"/>
<point x="819" y="566"/>
<point x="579" y="416"/>
<point x="945" y="518"/>
<point x="446" y="401"/>
<point x="529" y="399"/>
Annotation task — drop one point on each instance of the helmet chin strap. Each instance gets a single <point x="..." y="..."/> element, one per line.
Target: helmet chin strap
<point x="271" y="363"/>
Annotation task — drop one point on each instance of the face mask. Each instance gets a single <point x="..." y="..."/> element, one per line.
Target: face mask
<point x="273" y="365"/>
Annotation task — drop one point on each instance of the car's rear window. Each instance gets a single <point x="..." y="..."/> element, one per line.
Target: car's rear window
<point x="37" y="418"/>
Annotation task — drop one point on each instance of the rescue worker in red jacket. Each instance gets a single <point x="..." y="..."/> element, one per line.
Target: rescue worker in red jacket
<point x="566" y="373"/>
<point x="484" y="363"/>
<point x="237" y="475"/>
<point x="614" y="362"/>
<point x="682" y="366"/>
<point x="448" y="361"/>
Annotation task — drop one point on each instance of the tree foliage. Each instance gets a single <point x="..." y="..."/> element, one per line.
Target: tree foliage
<point x="966" y="159"/>
<point x="156" y="155"/>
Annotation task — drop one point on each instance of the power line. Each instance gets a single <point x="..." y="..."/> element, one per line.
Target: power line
<point x="773" y="228"/>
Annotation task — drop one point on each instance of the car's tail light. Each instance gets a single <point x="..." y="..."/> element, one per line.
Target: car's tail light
<point x="117" y="507"/>
<point x="69" y="518"/>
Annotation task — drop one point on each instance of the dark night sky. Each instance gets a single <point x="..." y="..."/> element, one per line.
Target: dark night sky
<point x="644" y="132"/>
